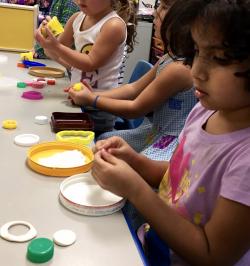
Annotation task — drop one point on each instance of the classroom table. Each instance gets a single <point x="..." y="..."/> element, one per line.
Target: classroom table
<point x="28" y="196"/>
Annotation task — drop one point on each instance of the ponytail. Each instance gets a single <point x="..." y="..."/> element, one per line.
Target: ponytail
<point x="127" y="10"/>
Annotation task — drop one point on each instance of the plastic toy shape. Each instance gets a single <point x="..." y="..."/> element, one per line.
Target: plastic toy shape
<point x="9" y="124"/>
<point x="27" y="56"/>
<point x="4" y="232"/>
<point x="46" y="72"/>
<point x="55" y="26"/>
<point x="32" y="95"/>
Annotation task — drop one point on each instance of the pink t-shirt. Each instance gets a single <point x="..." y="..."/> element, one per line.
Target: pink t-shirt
<point x="207" y="166"/>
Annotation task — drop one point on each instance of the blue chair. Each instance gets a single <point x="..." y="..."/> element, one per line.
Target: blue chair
<point x="141" y="68"/>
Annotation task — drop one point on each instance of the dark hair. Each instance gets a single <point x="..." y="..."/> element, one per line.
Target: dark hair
<point x="231" y="18"/>
<point x="127" y="10"/>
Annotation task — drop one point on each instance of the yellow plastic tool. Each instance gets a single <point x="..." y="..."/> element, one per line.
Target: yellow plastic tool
<point x="9" y="124"/>
<point x="27" y="56"/>
<point x="76" y="136"/>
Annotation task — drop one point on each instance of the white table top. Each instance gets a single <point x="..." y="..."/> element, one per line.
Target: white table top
<point x="28" y="196"/>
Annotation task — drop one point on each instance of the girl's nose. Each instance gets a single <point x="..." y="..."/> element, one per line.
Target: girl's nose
<point x="199" y="69"/>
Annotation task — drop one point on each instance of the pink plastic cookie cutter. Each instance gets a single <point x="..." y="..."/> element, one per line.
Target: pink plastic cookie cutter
<point x="32" y="95"/>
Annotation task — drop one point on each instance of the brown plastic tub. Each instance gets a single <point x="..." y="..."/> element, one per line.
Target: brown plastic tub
<point x="71" y="121"/>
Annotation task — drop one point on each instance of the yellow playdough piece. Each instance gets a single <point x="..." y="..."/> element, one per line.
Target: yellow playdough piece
<point x="9" y="124"/>
<point x="78" y="86"/>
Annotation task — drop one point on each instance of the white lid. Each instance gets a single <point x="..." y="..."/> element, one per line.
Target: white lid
<point x="26" y="139"/>
<point x="64" y="237"/>
<point x="41" y="119"/>
<point x="81" y="194"/>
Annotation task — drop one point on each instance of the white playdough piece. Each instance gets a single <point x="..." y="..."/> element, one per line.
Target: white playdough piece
<point x="26" y="139"/>
<point x="4" y="232"/>
<point x="64" y="237"/>
<point x="41" y="119"/>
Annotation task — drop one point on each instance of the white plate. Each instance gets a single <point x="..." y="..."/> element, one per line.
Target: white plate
<point x="26" y="139"/>
<point x="81" y="194"/>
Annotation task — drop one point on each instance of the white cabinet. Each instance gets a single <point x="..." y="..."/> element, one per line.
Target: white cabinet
<point x="141" y="48"/>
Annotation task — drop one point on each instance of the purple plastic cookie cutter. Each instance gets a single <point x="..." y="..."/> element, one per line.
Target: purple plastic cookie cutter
<point x="32" y="95"/>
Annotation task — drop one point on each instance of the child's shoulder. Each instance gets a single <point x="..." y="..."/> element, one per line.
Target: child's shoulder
<point x="77" y="14"/>
<point x="76" y="18"/>
<point x="113" y="20"/>
<point x="175" y="72"/>
<point x="114" y="26"/>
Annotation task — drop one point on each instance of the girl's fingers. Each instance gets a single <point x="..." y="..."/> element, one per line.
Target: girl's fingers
<point x="49" y="33"/>
<point x="66" y="89"/>
<point x="84" y="82"/>
<point x="107" y="157"/>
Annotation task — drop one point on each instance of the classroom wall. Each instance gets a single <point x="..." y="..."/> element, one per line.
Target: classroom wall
<point x="141" y="49"/>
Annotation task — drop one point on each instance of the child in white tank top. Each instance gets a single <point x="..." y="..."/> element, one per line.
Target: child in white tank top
<point x="99" y="35"/>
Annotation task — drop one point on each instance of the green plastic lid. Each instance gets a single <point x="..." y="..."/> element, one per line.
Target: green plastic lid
<point x="21" y="85"/>
<point x="40" y="250"/>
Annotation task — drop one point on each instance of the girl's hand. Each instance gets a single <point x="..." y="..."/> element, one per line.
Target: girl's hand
<point x="115" y="175"/>
<point x="44" y="23"/>
<point x="118" y="148"/>
<point x="82" y="97"/>
<point x="50" y="42"/>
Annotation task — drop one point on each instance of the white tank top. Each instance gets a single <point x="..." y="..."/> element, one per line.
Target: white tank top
<point x="107" y="76"/>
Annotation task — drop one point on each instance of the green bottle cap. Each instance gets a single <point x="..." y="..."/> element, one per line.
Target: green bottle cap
<point x="40" y="250"/>
<point x="21" y="85"/>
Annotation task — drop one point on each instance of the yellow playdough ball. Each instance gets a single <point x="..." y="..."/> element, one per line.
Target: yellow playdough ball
<point x="78" y="86"/>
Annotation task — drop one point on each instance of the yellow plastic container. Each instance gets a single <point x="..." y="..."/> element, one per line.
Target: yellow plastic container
<point x="47" y="149"/>
<point x="77" y="136"/>
<point x="55" y="26"/>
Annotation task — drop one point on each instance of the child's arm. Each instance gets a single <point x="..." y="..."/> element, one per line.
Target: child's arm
<point x="114" y="29"/>
<point x="152" y="92"/>
<point x="125" y="92"/>
<point x="222" y="241"/>
<point x="65" y="38"/>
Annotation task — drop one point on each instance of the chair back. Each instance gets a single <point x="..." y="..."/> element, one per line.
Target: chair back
<point x="141" y="68"/>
